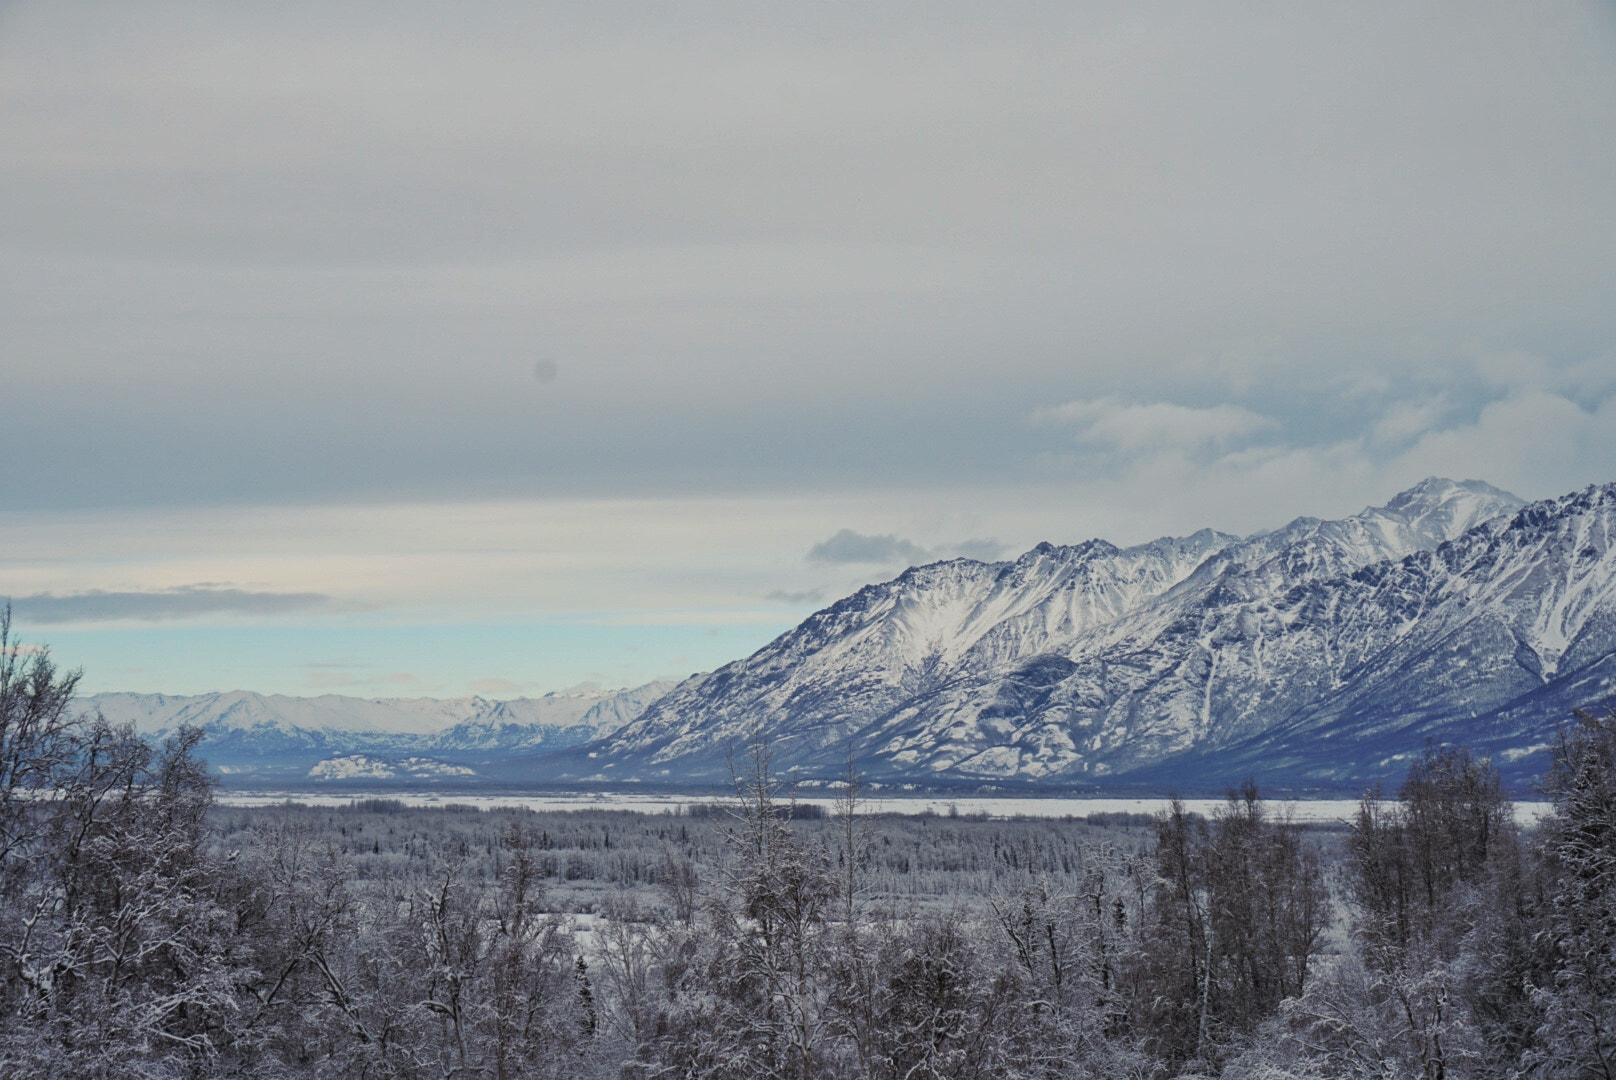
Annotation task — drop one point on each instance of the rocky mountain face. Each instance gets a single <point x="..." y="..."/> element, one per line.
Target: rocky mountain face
<point x="274" y="735"/>
<point x="1319" y="655"/>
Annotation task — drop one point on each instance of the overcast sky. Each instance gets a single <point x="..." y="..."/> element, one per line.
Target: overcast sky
<point x="422" y="348"/>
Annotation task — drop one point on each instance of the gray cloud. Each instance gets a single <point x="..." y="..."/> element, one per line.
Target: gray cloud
<point x="289" y="253"/>
<point x="182" y="602"/>
<point x="848" y="546"/>
<point x="807" y="596"/>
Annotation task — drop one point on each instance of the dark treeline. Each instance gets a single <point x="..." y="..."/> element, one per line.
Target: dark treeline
<point x="146" y="932"/>
<point x="593" y="860"/>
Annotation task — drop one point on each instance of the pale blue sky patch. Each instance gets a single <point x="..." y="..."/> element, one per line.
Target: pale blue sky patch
<point x="492" y="659"/>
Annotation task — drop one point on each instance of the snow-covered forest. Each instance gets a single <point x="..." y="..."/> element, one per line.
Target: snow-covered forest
<point x="146" y="932"/>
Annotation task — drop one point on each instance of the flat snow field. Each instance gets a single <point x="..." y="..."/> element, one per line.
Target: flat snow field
<point x="1301" y="810"/>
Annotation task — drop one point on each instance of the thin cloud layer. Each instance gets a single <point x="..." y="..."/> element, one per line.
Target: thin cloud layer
<point x="848" y="546"/>
<point x="1155" y="425"/>
<point x="181" y="603"/>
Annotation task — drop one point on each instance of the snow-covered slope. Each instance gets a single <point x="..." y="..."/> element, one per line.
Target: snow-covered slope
<point x="1491" y="640"/>
<point x="370" y="767"/>
<point x="555" y="720"/>
<point x="1202" y="666"/>
<point x="888" y="645"/>
<point x="1093" y="663"/>
<point x="259" y="733"/>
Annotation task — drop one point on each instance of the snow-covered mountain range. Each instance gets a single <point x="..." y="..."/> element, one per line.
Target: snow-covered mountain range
<point x="1321" y="654"/>
<point x="276" y="735"/>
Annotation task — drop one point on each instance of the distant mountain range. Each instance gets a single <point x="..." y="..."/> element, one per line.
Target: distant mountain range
<point x="279" y="737"/>
<point x="1321" y="656"/>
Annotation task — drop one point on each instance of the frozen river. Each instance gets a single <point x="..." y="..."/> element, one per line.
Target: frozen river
<point x="1303" y="810"/>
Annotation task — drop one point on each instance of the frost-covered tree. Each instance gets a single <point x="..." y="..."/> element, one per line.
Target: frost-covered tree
<point x="780" y="892"/>
<point x="1445" y="915"/>
<point x="1577" y="1038"/>
<point x="1411" y="860"/>
<point x="1355" y="1022"/>
<point x="1065" y="948"/>
<point x="121" y="957"/>
<point x="940" y="1012"/>
<point x="1230" y="925"/>
<point x="116" y="956"/>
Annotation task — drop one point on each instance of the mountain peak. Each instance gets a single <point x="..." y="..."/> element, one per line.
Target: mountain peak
<point x="1437" y="510"/>
<point x="1045" y="549"/>
<point x="1435" y="490"/>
